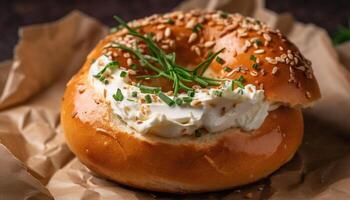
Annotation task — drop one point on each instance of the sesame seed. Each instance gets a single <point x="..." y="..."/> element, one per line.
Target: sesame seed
<point x="254" y="73"/>
<point x="131" y="72"/>
<point x="192" y="37"/>
<point x="160" y="26"/>
<point x="290" y="55"/>
<point x="308" y="94"/>
<point x="167" y="32"/>
<point x="165" y="47"/>
<point x="158" y="36"/>
<point x="197" y="50"/>
<point x="209" y="44"/>
<point x="259" y="51"/>
<point x="281" y="48"/>
<point x="126" y="55"/>
<point x="267" y="37"/>
<point x="196" y="103"/>
<point x="274" y="70"/>
<point x="271" y="60"/>
<point x="129" y="61"/>
<point x="191" y="24"/>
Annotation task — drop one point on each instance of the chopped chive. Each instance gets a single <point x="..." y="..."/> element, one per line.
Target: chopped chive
<point x="220" y="60"/>
<point x="148" y="98"/>
<point x="255" y="66"/>
<point x="149" y="89"/>
<point x="258" y="42"/>
<point x="191" y="93"/>
<point x="239" y="82"/>
<point x="166" y="99"/>
<point x="187" y="99"/>
<point x="241" y="79"/>
<point x="224" y="15"/>
<point x="178" y="101"/>
<point x="217" y="93"/>
<point x="123" y="74"/>
<point x="197" y="28"/>
<point x="134" y="94"/>
<point x="252" y="58"/>
<point x="227" y="69"/>
<point x="133" y="66"/>
<point x="118" y="96"/>
<point x="170" y="21"/>
<point x="112" y="65"/>
<point x="164" y="64"/>
<point x="133" y="100"/>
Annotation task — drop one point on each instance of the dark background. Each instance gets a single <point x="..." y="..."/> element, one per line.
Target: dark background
<point x="329" y="14"/>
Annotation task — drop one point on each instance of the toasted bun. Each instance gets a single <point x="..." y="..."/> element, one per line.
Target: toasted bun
<point x="214" y="161"/>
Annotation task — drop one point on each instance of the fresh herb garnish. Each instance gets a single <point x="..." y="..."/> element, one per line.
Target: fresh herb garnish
<point x="217" y="93"/>
<point x="239" y="82"/>
<point x="197" y="28"/>
<point x="134" y="94"/>
<point x="220" y="60"/>
<point x="252" y="58"/>
<point x="191" y="93"/>
<point x="148" y="98"/>
<point x="167" y="66"/>
<point x="178" y="101"/>
<point x="258" y="42"/>
<point x="223" y="14"/>
<point x="149" y="89"/>
<point x="227" y="69"/>
<point x="118" y="96"/>
<point x="255" y="66"/>
<point x="170" y="21"/>
<point x="100" y="75"/>
<point x="187" y="99"/>
<point x="133" y="66"/>
<point x="166" y="99"/>
<point x="123" y="74"/>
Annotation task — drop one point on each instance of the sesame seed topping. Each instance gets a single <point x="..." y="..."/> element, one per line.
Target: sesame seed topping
<point x="167" y="32"/>
<point x="254" y="73"/>
<point x="259" y="51"/>
<point x="274" y="70"/>
<point x="209" y="44"/>
<point x="129" y="62"/>
<point x="267" y="37"/>
<point x="308" y="94"/>
<point x="192" y="37"/>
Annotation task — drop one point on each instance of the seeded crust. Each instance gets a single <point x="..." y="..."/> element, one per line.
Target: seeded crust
<point x="179" y="165"/>
<point x="189" y="164"/>
<point x="263" y="56"/>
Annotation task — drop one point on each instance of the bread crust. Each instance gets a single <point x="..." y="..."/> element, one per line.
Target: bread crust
<point x="229" y="159"/>
<point x="212" y="162"/>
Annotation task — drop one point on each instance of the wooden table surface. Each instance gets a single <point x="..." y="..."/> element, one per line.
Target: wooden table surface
<point x="16" y="13"/>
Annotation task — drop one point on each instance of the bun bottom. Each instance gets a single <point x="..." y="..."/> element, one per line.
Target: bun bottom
<point x="186" y="165"/>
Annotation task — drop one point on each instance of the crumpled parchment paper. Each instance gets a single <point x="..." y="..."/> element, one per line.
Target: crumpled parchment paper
<point x="36" y="163"/>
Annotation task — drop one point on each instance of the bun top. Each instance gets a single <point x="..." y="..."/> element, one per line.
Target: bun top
<point x="248" y="48"/>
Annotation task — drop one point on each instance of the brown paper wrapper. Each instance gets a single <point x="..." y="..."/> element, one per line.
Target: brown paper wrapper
<point x="47" y="55"/>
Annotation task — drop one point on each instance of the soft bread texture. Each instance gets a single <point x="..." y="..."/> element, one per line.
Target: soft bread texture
<point x="189" y="164"/>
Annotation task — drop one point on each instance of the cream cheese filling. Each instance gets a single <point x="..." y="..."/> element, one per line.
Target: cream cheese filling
<point x="212" y="109"/>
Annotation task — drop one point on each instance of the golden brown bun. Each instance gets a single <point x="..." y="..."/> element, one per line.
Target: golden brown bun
<point x="211" y="162"/>
<point x="291" y="82"/>
<point x="189" y="164"/>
